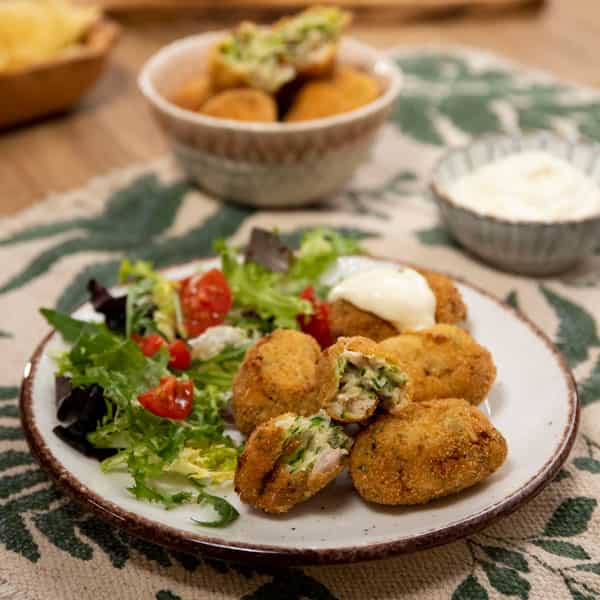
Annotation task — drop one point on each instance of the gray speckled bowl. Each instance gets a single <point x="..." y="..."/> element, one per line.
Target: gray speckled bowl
<point x="526" y="247"/>
<point x="281" y="165"/>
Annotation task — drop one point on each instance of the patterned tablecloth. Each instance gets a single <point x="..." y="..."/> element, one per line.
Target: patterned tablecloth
<point x="550" y="549"/>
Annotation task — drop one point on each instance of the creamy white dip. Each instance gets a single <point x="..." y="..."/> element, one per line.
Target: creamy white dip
<point x="400" y="296"/>
<point x="528" y="186"/>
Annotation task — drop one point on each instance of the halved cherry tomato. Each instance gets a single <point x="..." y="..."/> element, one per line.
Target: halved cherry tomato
<point x="149" y="344"/>
<point x="205" y="300"/>
<point x="181" y="357"/>
<point x="316" y="324"/>
<point x="171" y="399"/>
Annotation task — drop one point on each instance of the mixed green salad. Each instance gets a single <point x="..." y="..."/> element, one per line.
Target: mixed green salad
<point x="146" y="391"/>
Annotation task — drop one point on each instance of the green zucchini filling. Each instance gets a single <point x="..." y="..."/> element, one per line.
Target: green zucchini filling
<point x="269" y="56"/>
<point x="316" y="443"/>
<point x="365" y="381"/>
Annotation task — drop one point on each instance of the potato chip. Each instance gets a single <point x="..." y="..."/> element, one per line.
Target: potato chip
<point x="34" y="31"/>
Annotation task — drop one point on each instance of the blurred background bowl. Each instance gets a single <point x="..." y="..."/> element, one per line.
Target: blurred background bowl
<point x="266" y="164"/>
<point x="526" y="247"/>
<point x="53" y="86"/>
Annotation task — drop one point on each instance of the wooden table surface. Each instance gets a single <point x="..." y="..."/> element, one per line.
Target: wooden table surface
<point x="112" y="127"/>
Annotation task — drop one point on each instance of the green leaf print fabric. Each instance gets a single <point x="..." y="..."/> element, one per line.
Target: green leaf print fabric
<point x="550" y="549"/>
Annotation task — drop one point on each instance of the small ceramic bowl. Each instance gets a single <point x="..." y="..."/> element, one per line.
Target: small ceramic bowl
<point x="265" y="164"/>
<point x="57" y="84"/>
<point x="526" y="247"/>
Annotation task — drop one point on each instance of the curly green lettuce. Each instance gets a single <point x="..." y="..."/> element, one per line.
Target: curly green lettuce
<point x="149" y="447"/>
<point x="152" y="301"/>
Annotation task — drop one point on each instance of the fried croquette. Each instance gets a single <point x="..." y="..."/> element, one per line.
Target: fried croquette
<point x="249" y="56"/>
<point x="277" y="375"/>
<point x="241" y="104"/>
<point x="266" y="58"/>
<point x="345" y="319"/>
<point x="429" y="450"/>
<point x="319" y="63"/>
<point x="193" y="94"/>
<point x="355" y="376"/>
<point x="288" y="459"/>
<point x="316" y="99"/>
<point x="444" y="361"/>
<point x="347" y="89"/>
<point x="310" y="39"/>
<point x="357" y="87"/>
<point x="449" y="305"/>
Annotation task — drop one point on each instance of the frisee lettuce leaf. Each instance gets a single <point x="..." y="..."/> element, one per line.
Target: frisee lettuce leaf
<point x="273" y="297"/>
<point x="152" y="301"/>
<point x="257" y="289"/>
<point x="213" y="463"/>
<point x="227" y="513"/>
<point x="219" y="370"/>
<point x="319" y="249"/>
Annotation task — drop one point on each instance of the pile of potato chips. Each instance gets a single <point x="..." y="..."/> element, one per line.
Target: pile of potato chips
<point x="35" y="31"/>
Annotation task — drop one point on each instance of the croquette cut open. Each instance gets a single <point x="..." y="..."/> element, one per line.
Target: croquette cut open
<point x="289" y="459"/>
<point x="355" y="376"/>
<point x="444" y="361"/>
<point x="429" y="450"/>
<point x="278" y="375"/>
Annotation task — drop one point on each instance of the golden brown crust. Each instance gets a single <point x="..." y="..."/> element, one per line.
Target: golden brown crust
<point x="241" y="104"/>
<point x="444" y="361"/>
<point x="450" y="307"/>
<point x="327" y="378"/>
<point x="345" y="90"/>
<point x="345" y="319"/>
<point x="223" y="75"/>
<point x="316" y="99"/>
<point x="432" y="449"/>
<point x="193" y="94"/>
<point x="263" y="482"/>
<point x="278" y="375"/>
<point x="357" y="87"/>
<point x="285" y="489"/>
<point x="261" y="453"/>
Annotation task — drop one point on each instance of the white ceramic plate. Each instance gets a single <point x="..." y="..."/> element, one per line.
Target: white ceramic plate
<point x="533" y="403"/>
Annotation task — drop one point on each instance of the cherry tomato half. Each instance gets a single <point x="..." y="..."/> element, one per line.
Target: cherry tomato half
<point x="205" y="299"/>
<point x="316" y="324"/>
<point x="149" y="344"/>
<point x="171" y="399"/>
<point x="180" y="355"/>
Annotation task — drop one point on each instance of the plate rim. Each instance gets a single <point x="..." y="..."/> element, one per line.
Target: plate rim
<point x="280" y="556"/>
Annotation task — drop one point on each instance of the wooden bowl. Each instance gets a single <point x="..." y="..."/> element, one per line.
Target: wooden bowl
<point x="52" y="86"/>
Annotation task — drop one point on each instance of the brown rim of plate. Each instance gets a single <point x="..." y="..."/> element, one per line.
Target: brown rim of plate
<point x="277" y="556"/>
<point x="515" y="139"/>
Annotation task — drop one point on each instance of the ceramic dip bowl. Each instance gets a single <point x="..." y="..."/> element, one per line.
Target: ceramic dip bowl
<point x="527" y="247"/>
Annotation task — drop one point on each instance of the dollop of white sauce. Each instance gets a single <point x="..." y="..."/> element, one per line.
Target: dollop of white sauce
<point x="528" y="186"/>
<point x="400" y="296"/>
